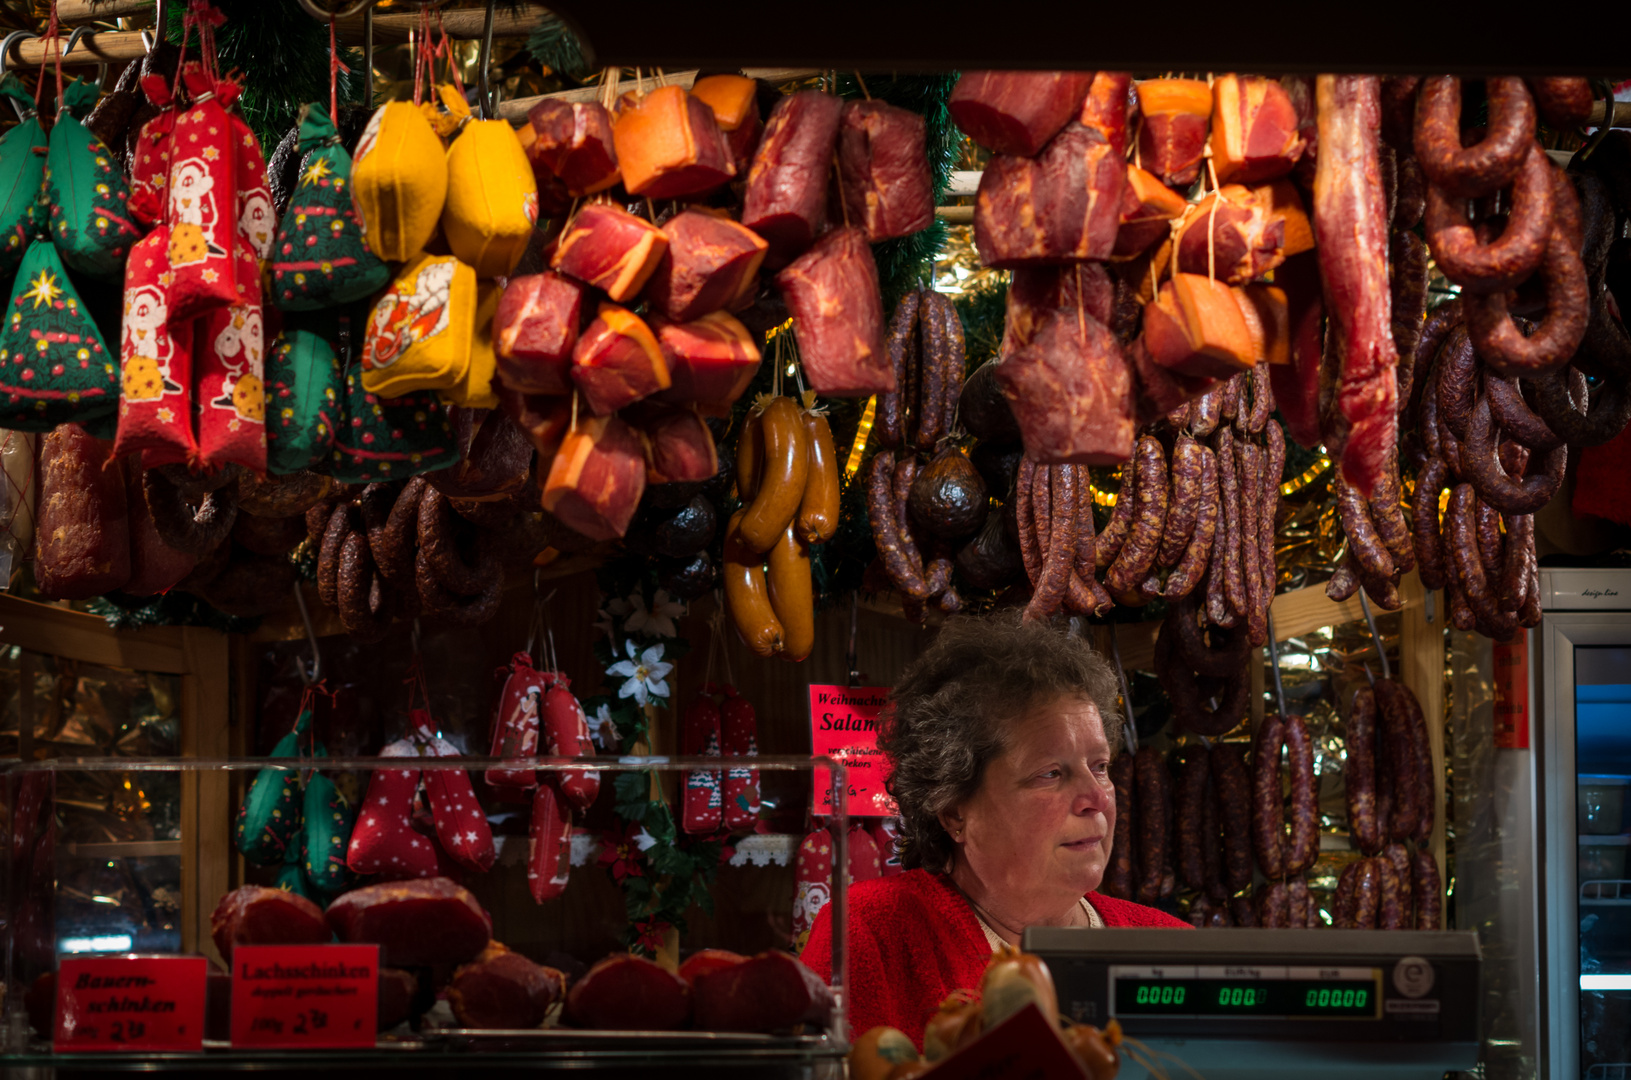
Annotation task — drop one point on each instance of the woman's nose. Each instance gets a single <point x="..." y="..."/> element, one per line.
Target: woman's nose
<point x="1094" y="796"/>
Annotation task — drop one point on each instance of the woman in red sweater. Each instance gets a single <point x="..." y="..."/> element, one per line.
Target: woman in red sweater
<point x="999" y="740"/>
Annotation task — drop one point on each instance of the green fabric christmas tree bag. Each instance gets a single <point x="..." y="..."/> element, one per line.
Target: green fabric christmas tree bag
<point x="22" y="175"/>
<point x="54" y="366"/>
<point x="90" y="218"/>
<point x="303" y="388"/>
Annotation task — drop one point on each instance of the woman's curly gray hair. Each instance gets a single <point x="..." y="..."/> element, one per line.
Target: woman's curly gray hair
<point x="953" y="708"/>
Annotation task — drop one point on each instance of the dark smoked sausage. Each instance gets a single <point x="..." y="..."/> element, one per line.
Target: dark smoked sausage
<point x="1234" y="793"/>
<point x="1119" y="882"/>
<point x="1154" y="800"/>
<point x="1268" y="806"/>
<point x="1305" y="837"/>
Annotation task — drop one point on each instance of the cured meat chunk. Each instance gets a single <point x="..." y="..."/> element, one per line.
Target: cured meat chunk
<point x="1071" y="391"/>
<point x="678" y="445"/>
<point x="534" y="330"/>
<point x="1105" y="108"/>
<point x="542" y="419"/>
<point x="424" y="921"/>
<point x="1296" y="383"/>
<point x="611" y="249"/>
<point x="1147" y="207"/>
<point x="708" y="961"/>
<point x="1196" y="328"/>
<point x="832" y="292"/>
<point x="669" y="146"/>
<point x="711" y="360"/>
<point x="735" y="102"/>
<point x="1254" y="129"/>
<point x="397" y="990"/>
<point x="597" y="478"/>
<point x="256" y="915"/>
<point x="503" y="989"/>
<point x="710" y="261"/>
<point x="629" y="993"/>
<point x="82" y="537"/>
<point x="771" y="992"/>
<point x="1016" y="112"/>
<point x="570" y="144"/>
<point x="617" y="361"/>
<point x="1231" y="236"/>
<point x="883" y="169"/>
<point x="1172" y="137"/>
<point x="1350" y="223"/>
<point x="1063" y="206"/>
<point x="1036" y="291"/>
<point x="786" y="197"/>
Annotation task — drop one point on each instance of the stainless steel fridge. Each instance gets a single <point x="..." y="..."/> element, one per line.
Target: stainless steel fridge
<point x="1579" y="901"/>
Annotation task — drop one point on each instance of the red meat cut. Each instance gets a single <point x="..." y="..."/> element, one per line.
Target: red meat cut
<point x="771" y="992"/>
<point x="255" y="915"/>
<point x="629" y="993"/>
<point x="832" y="292"/>
<point x="414" y="923"/>
<point x="786" y="197"/>
<point x="1071" y="391"/>
<point x="883" y="169"/>
<point x="1016" y="112"/>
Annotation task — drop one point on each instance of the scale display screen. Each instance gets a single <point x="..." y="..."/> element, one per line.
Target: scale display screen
<point x="1267" y="992"/>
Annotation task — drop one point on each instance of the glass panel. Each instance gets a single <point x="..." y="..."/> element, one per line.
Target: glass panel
<point x="1602" y="703"/>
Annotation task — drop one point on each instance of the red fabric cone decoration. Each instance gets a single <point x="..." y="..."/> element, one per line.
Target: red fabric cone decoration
<point x="702" y="810"/>
<point x="229" y="350"/>
<point x="884" y="834"/>
<point x="515" y="725"/>
<point x="739" y="735"/>
<point x="257" y="218"/>
<point x="150" y="159"/>
<point x="813" y="884"/>
<point x="156" y="362"/>
<point x="384" y="841"/>
<point x="461" y="825"/>
<point x="203" y="204"/>
<point x="549" y="843"/>
<point x="565" y="732"/>
<point x="864" y="864"/>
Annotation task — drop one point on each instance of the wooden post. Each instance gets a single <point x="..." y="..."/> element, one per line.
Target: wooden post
<point x="1421" y="668"/>
<point x="206" y="846"/>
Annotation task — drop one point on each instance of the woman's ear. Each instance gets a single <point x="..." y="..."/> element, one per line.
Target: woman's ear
<point x="952" y="821"/>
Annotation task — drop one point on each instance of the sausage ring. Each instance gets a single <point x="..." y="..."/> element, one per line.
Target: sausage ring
<point x="1580" y="416"/>
<point x="1516" y="419"/>
<point x="194" y="530"/>
<point x="1488" y="475"/>
<point x="1225" y="656"/>
<point x="1424" y="523"/>
<point x="441" y="603"/>
<point x="438" y="543"/>
<point x="1488" y="165"/>
<point x="1565" y="102"/>
<point x="1456" y="382"/>
<point x="1503" y="346"/>
<point x="393" y="544"/>
<point x="1506" y="262"/>
<point x="328" y="554"/>
<point x="364" y="604"/>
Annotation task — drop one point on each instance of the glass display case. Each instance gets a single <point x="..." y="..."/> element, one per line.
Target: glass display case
<point x="72" y="891"/>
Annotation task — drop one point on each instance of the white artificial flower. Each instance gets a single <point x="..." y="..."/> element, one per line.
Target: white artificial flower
<point x="605" y="730"/>
<point x="607" y="618"/>
<point x="659" y="620"/>
<point x="644" y="673"/>
<point x="644" y="840"/>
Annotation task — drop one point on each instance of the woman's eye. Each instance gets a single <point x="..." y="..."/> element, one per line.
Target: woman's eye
<point x="1051" y="774"/>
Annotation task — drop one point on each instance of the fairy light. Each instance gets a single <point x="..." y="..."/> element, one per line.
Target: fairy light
<point x="862" y="432"/>
<point x="1307" y="476"/>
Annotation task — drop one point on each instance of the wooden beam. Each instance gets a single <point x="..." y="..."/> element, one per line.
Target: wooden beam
<point x="74" y="12"/>
<point x="463" y="24"/>
<point x="87" y="638"/>
<point x="101" y="47"/>
<point x="516" y="111"/>
<point x="206" y="823"/>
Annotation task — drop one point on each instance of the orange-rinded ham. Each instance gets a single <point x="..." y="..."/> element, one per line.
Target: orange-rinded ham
<point x="735" y="102"/>
<point x="611" y="249"/>
<point x="1147" y="208"/>
<point x="669" y="145"/>
<point x="786" y="197"/>
<point x="832" y="293"/>
<point x="709" y="261"/>
<point x="711" y="360"/>
<point x="678" y="445"/>
<point x="1172" y="135"/>
<point x="597" y="478"/>
<point x="1195" y="327"/>
<point x="883" y="169"/>
<point x="1239" y="240"/>
<point x="617" y="361"/>
<point x="1254" y="129"/>
<point x="1016" y="112"/>
<point x="1105" y="108"/>
<point x="534" y="330"/>
<point x="542" y="418"/>
<point x="1062" y="206"/>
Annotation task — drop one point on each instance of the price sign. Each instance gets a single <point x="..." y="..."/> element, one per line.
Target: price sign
<point x="305" y="996"/>
<point x="844" y="727"/>
<point x="130" y="1003"/>
<point x="1023" y="1047"/>
<point x="1511" y="671"/>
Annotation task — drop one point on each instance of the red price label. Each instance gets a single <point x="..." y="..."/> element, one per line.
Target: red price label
<point x="305" y="996"/>
<point x="113" y="1003"/>
<point x="1511" y="662"/>
<point x="1023" y="1047"/>
<point x="844" y="727"/>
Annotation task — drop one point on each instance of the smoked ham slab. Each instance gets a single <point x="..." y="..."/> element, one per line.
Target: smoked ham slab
<point x="1016" y="112"/>
<point x="711" y="361"/>
<point x="534" y="330"/>
<point x="424" y="921"/>
<point x="1071" y="391"/>
<point x="786" y="197"/>
<point x="709" y="261"/>
<point x="1062" y="206"/>
<point x="883" y="169"/>
<point x="832" y="292"/>
<point x="611" y="249"/>
<point x="597" y="478"/>
<point x="1351" y="227"/>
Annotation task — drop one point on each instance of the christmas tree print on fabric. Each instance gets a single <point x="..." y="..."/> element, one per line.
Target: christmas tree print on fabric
<point x="90" y="219"/>
<point x="320" y="258"/>
<point x="54" y="367"/>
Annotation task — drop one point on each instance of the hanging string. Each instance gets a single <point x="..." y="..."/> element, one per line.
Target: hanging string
<point x="53" y="45"/>
<point x="444" y="49"/>
<point x="335" y="66"/>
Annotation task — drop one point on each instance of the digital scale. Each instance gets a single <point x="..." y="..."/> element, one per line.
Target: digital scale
<point x="1248" y="1004"/>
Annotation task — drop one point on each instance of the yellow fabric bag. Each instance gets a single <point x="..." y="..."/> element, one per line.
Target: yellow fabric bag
<point x="476" y="390"/>
<point x="492" y="198"/>
<point x="398" y="182"/>
<point x="419" y="333"/>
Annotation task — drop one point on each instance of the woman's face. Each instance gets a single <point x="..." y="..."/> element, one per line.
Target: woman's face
<point x="1038" y="830"/>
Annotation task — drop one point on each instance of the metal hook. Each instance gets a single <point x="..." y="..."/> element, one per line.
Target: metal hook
<point x="487" y="105"/>
<point x="367" y="59"/>
<point x="73" y="39"/>
<point x="1274" y="663"/>
<point x="1129" y="729"/>
<point x="854" y="628"/>
<point x="1376" y="639"/>
<point x="12" y="39"/>
<point x="1597" y="137"/>
<point x="316" y="672"/>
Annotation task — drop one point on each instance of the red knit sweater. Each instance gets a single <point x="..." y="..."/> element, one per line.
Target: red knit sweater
<point x="913" y="939"/>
